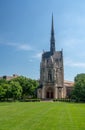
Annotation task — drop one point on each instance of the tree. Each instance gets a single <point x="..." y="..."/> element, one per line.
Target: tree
<point x="33" y="87"/>
<point x="79" y="88"/>
<point x="2" y="93"/>
<point x="2" y="81"/>
<point x="4" y="89"/>
<point x="16" y="90"/>
<point x="23" y="81"/>
<point x="7" y="89"/>
<point x="28" y="86"/>
<point x="20" y="87"/>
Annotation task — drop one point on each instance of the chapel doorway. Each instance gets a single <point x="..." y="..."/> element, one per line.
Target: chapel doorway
<point x="49" y="93"/>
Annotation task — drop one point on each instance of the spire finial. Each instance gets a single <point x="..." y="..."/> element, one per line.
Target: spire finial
<point x="52" y="41"/>
<point x="52" y="28"/>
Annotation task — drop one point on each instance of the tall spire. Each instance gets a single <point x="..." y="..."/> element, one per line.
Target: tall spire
<point x="52" y="40"/>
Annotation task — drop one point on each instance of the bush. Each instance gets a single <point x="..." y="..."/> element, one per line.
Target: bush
<point x="62" y="100"/>
<point x="30" y="100"/>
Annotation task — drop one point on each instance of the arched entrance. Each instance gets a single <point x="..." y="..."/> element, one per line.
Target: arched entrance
<point x="49" y="93"/>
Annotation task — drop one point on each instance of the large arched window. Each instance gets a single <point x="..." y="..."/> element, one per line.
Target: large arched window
<point x="49" y="75"/>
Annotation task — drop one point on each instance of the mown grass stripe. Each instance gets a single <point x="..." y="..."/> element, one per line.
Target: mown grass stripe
<point x="42" y="116"/>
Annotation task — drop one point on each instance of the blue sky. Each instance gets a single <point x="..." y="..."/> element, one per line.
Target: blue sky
<point x="25" y="27"/>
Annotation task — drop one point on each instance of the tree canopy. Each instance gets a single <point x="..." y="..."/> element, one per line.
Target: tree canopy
<point x="17" y="88"/>
<point x="79" y="88"/>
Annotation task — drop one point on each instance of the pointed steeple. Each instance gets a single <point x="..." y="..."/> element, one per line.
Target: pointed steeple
<point x="52" y="40"/>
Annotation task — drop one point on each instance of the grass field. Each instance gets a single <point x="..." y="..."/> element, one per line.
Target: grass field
<point x="42" y="116"/>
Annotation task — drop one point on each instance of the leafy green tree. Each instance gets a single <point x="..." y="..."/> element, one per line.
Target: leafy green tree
<point x="2" y="93"/>
<point x="2" y="81"/>
<point x="79" y="88"/>
<point x="28" y="86"/>
<point x="23" y="81"/>
<point x="7" y="90"/>
<point x="33" y="86"/>
<point x="16" y="90"/>
<point x="3" y="88"/>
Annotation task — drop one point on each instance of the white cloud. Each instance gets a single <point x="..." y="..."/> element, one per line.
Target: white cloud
<point x="18" y="46"/>
<point x="24" y="47"/>
<point x="72" y="18"/>
<point x="73" y="30"/>
<point x="70" y="63"/>
<point x="38" y="55"/>
<point x="72" y="42"/>
<point x="30" y="60"/>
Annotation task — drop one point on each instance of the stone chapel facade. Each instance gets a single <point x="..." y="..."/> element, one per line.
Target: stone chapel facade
<point x="52" y="72"/>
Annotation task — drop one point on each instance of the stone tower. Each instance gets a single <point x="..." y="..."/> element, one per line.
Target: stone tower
<point x="51" y="72"/>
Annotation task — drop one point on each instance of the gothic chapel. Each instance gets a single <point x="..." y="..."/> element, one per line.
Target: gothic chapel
<point x="52" y="72"/>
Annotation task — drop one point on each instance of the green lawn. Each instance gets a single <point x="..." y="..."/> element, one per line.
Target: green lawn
<point x="42" y="116"/>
